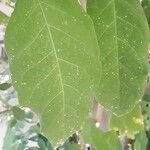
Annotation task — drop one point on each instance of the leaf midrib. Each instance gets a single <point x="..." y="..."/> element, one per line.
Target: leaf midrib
<point x="116" y="40"/>
<point x="55" y="53"/>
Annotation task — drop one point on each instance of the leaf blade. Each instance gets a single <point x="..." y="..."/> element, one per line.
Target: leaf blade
<point x="56" y="75"/>
<point x="123" y="37"/>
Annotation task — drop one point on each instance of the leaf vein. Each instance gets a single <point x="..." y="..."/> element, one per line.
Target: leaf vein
<point x="38" y="84"/>
<point x="55" y="53"/>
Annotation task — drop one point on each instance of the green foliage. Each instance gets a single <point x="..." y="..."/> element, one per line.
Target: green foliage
<point x="101" y="140"/>
<point x="141" y="141"/>
<point x="5" y="86"/>
<point x="130" y="123"/>
<point x="123" y="36"/>
<point x="3" y="18"/>
<point x="42" y="142"/>
<point x="61" y="58"/>
<point x="68" y="146"/>
<point x="51" y="59"/>
<point x="8" y="140"/>
<point x="22" y="134"/>
<point x="146" y="7"/>
<point x="145" y="105"/>
<point x="18" y="113"/>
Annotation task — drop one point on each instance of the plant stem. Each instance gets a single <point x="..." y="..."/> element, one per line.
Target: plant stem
<point x="5" y="112"/>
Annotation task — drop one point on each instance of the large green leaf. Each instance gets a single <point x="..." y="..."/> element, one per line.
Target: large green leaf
<point x="123" y="36"/>
<point x="52" y="49"/>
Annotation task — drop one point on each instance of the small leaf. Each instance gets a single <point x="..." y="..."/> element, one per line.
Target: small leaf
<point x="18" y="113"/>
<point x="101" y="140"/>
<point x="42" y="141"/>
<point x="5" y="86"/>
<point x="123" y="36"/>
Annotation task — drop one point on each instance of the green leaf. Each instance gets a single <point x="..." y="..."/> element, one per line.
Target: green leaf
<point x="123" y="36"/>
<point x="18" y="113"/>
<point x="101" y="140"/>
<point x="72" y="147"/>
<point x="5" y="86"/>
<point x="130" y="123"/>
<point x="146" y="98"/>
<point x="146" y="7"/>
<point x="52" y="49"/>
<point x="146" y="111"/>
<point x="8" y="139"/>
<point x="3" y="18"/>
<point x="43" y="143"/>
<point x="141" y="141"/>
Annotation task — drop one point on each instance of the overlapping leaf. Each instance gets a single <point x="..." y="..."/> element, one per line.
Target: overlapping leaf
<point x="123" y="36"/>
<point x="54" y="62"/>
<point x="130" y="123"/>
